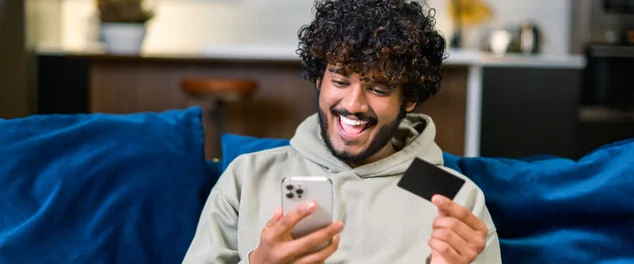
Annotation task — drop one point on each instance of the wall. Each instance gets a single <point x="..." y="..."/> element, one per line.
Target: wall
<point x="554" y="17"/>
<point x="192" y="25"/>
<point x="43" y="22"/>
<point x="14" y="96"/>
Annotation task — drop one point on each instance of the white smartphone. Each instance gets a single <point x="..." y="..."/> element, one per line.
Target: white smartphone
<point x="297" y="191"/>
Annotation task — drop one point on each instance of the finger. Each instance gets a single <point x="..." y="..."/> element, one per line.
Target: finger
<point x="455" y="241"/>
<point x="321" y="255"/>
<point x="472" y="237"/>
<point x="277" y="215"/>
<point x="442" y="213"/>
<point x="312" y="240"/>
<point x="288" y="222"/>
<point x="445" y="250"/>
<point x="453" y="209"/>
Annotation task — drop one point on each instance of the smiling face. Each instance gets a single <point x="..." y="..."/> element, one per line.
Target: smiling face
<point x="395" y="42"/>
<point x="359" y="116"/>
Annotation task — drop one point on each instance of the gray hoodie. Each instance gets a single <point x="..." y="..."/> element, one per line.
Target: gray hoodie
<point x="383" y="223"/>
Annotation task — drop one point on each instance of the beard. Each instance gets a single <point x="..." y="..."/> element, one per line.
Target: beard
<point x="381" y="139"/>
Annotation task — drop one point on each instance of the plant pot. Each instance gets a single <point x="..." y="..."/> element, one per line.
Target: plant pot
<point x="123" y="38"/>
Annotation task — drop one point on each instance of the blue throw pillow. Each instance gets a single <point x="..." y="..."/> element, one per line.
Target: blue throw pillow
<point x="555" y="210"/>
<point x="451" y="161"/>
<point x="235" y="145"/>
<point x="101" y="188"/>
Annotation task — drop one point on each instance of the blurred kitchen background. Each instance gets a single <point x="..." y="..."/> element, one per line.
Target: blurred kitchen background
<point x="553" y="77"/>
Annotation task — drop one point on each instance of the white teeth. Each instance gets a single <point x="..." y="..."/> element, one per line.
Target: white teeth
<point x="351" y="122"/>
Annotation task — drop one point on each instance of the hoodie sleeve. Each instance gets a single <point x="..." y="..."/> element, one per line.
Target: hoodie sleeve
<point x="491" y="253"/>
<point x="216" y="237"/>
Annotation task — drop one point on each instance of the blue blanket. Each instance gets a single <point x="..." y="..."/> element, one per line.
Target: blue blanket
<point x="101" y="188"/>
<point x="554" y="210"/>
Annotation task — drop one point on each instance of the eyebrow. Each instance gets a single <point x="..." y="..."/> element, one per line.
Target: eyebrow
<point x="368" y="79"/>
<point x="375" y="82"/>
<point x="334" y="69"/>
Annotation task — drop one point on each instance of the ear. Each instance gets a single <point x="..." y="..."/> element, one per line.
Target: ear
<point x="318" y="83"/>
<point x="411" y="105"/>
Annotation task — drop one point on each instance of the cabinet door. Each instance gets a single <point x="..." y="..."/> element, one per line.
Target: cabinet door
<point x="15" y="98"/>
<point x="448" y="110"/>
<point x="530" y="111"/>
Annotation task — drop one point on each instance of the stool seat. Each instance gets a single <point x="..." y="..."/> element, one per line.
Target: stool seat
<point x="223" y="89"/>
<point x="218" y="93"/>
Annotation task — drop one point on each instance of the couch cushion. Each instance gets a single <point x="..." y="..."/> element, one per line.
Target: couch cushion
<point x="235" y="145"/>
<point x="101" y="188"/>
<point x="555" y="210"/>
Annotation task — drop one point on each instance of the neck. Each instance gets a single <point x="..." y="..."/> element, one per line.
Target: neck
<point x="379" y="155"/>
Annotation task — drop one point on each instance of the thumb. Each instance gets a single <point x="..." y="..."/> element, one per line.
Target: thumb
<point x="437" y="200"/>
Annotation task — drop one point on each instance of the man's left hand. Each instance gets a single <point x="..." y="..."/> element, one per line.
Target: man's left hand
<point x="458" y="236"/>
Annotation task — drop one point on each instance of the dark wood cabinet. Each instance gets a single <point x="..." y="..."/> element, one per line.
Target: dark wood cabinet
<point x="16" y="99"/>
<point x="530" y="111"/>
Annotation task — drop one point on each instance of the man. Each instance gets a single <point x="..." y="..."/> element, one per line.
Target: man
<point x="372" y="62"/>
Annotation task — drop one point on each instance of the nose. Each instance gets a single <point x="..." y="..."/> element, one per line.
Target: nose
<point x="355" y="100"/>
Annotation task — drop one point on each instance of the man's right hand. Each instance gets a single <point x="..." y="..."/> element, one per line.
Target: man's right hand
<point x="277" y="245"/>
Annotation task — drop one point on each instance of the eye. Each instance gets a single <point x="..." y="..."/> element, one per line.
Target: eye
<point x="339" y="83"/>
<point x="380" y="91"/>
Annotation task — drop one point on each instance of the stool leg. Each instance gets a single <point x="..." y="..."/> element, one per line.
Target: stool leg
<point x="217" y="116"/>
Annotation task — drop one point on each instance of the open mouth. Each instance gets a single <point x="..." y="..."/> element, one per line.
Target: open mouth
<point x="351" y="128"/>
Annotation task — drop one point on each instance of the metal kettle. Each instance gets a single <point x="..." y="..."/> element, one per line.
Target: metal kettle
<point x="529" y="40"/>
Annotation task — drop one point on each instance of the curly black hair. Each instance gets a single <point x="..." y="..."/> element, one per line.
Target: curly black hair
<point x="395" y="40"/>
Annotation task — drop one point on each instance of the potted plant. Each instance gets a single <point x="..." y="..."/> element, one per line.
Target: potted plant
<point x="123" y="24"/>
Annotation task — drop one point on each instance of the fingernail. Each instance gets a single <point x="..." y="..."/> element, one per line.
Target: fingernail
<point x="437" y="200"/>
<point x="310" y="207"/>
<point x="338" y="226"/>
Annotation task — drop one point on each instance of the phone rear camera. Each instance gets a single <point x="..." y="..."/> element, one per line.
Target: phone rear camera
<point x="300" y="191"/>
<point x="289" y="187"/>
<point x="290" y="195"/>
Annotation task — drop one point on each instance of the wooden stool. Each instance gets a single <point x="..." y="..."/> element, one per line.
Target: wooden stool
<point x="219" y="92"/>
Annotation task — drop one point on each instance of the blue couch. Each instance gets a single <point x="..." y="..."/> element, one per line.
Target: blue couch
<point x="105" y="188"/>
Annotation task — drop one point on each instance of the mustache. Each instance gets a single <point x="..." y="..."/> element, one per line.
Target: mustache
<point x="361" y="116"/>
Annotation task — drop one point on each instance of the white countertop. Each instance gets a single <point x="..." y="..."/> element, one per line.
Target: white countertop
<point x="252" y="52"/>
<point x="534" y="61"/>
<point x="280" y="53"/>
<point x="455" y="57"/>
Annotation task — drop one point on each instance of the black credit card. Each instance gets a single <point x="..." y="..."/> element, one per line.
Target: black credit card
<point x="426" y="180"/>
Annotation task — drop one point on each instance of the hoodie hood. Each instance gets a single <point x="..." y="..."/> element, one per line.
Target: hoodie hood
<point x="413" y="139"/>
